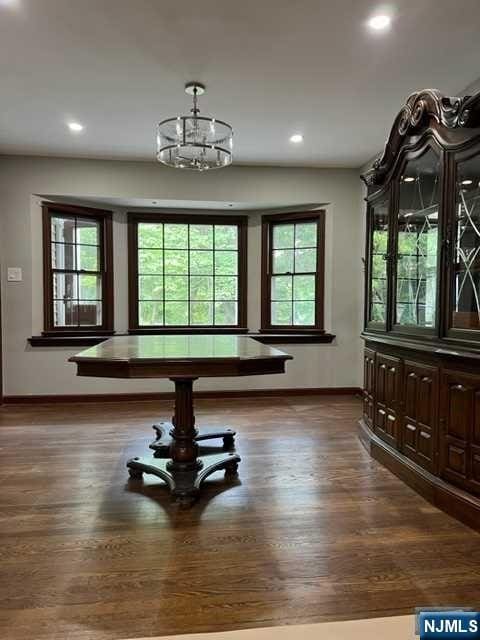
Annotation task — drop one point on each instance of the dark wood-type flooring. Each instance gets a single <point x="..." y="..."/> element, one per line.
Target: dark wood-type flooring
<point x="313" y="530"/>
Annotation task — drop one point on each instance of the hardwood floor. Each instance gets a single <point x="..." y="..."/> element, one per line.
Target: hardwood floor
<point x="313" y="530"/>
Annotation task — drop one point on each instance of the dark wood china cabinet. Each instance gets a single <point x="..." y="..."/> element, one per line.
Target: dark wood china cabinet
<point x="421" y="396"/>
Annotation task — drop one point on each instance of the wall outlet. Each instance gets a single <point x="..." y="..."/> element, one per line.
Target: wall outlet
<point x="14" y="274"/>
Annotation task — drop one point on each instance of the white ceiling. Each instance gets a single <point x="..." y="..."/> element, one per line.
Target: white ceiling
<point x="272" y="68"/>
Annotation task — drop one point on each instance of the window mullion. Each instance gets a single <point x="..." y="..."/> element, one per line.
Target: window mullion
<point x="189" y="319"/>
<point x="214" y="296"/>
<point x="77" y="276"/>
<point x="294" y="271"/>
<point x="163" y="273"/>
<point x="270" y="270"/>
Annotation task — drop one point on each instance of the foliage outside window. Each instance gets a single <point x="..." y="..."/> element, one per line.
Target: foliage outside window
<point x="78" y="288"/>
<point x="292" y="279"/>
<point x="187" y="272"/>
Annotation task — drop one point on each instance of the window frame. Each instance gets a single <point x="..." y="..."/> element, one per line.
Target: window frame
<point x="134" y="219"/>
<point x="104" y="218"/>
<point x="268" y="223"/>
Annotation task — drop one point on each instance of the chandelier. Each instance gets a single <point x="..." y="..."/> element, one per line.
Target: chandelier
<point x="194" y="142"/>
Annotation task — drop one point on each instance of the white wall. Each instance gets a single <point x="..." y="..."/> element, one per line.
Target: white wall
<point x="46" y="370"/>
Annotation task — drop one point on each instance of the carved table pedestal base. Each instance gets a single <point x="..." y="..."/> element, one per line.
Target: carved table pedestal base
<point x="184" y="471"/>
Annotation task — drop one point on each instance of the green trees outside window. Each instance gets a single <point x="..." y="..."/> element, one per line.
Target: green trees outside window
<point x="188" y="274"/>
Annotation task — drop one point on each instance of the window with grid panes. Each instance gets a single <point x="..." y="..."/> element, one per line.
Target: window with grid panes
<point x="77" y="278"/>
<point x="293" y="272"/>
<point x="188" y="272"/>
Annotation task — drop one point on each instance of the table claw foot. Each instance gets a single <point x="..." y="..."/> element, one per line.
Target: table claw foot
<point x="228" y="462"/>
<point x="231" y="470"/>
<point x="133" y="471"/>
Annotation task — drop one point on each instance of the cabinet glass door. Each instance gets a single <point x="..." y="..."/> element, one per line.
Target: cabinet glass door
<point x="466" y="247"/>
<point x="377" y="308"/>
<point x="417" y="242"/>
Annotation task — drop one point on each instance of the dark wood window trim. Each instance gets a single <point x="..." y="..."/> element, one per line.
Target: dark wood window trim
<point x="268" y="222"/>
<point x="134" y="218"/>
<point x="50" y="209"/>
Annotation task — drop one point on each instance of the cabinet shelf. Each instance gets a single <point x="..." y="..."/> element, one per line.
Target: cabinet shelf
<point x="421" y="213"/>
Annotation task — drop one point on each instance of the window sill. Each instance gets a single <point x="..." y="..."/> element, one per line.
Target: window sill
<point x="59" y="340"/>
<point x="305" y="337"/>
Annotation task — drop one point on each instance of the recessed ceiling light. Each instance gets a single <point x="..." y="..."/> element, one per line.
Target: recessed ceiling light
<point x="380" y="22"/>
<point x="467" y="182"/>
<point x="75" y="126"/>
<point x="408" y="179"/>
<point x="296" y="138"/>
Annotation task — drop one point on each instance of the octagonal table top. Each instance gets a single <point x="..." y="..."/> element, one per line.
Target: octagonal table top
<point x="164" y="356"/>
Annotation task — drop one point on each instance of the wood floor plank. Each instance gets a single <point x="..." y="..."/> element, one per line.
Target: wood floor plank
<point x="313" y="529"/>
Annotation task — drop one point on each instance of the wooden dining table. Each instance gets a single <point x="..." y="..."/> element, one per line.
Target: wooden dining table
<point x="182" y="359"/>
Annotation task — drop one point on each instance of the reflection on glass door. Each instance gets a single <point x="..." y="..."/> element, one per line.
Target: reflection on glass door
<point x="466" y="294"/>
<point x="378" y="265"/>
<point x="417" y="242"/>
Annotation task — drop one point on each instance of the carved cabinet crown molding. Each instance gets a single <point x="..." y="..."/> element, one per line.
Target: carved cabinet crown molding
<point x="423" y="110"/>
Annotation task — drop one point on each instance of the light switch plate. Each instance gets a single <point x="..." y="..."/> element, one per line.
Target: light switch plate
<point x="14" y="274"/>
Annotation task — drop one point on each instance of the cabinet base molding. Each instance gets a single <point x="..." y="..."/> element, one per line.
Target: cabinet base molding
<point x="452" y="500"/>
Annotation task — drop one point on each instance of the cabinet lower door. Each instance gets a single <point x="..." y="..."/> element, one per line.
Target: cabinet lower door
<point x="368" y="386"/>
<point x="460" y="429"/>
<point x="388" y="385"/>
<point x="419" y="423"/>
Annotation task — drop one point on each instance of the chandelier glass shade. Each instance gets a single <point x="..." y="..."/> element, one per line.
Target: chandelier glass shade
<point x="194" y="142"/>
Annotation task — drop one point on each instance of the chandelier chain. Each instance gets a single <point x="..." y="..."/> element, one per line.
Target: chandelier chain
<point x="195" y="110"/>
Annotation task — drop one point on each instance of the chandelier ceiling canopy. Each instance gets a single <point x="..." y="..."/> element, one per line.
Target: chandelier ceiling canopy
<point x="194" y="142"/>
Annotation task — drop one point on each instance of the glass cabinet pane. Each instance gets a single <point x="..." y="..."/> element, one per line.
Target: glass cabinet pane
<point x="466" y="241"/>
<point x="377" y="309"/>
<point x="417" y="242"/>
